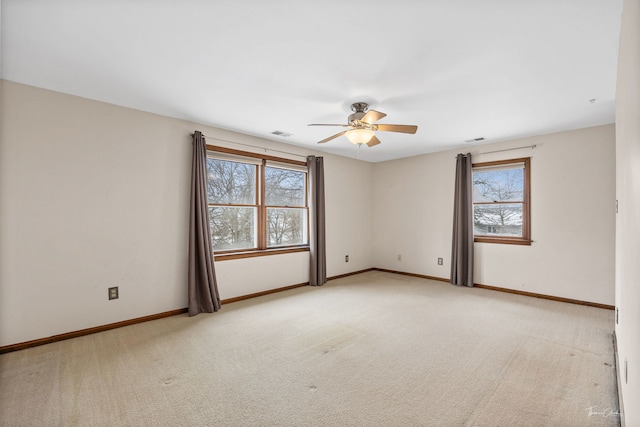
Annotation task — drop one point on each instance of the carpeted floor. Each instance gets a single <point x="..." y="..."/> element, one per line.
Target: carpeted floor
<point x="375" y="349"/>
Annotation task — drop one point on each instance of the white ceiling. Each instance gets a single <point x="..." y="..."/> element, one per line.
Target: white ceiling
<point x="459" y="69"/>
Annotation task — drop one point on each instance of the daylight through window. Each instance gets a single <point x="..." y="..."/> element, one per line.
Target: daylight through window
<point x="285" y="200"/>
<point x="501" y="207"/>
<point x="255" y="203"/>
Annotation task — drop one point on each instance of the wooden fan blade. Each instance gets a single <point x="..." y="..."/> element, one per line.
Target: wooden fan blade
<point x="325" y="124"/>
<point x="373" y="141"/>
<point x="332" y="137"/>
<point x="372" y="116"/>
<point x="398" y="128"/>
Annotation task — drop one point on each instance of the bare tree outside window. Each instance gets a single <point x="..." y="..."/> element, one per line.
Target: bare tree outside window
<point x="231" y="193"/>
<point x="247" y="212"/>
<point x="285" y="197"/>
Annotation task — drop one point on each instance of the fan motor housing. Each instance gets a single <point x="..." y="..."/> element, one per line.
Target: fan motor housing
<point x="359" y="109"/>
<point x="355" y="117"/>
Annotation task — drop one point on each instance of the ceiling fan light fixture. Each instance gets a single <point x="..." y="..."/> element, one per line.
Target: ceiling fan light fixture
<point x="362" y="126"/>
<point x="359" y="136"/>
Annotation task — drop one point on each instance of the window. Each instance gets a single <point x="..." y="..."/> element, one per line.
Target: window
<point x="233" y="204"/>
<point x="255" y="203"/>
<point x="286" y="201"/>
<point x="501" y="202"/>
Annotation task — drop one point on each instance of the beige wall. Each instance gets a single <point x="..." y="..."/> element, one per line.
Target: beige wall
<point x="572" y="215"/>
<point x="628" y="218"/>
<point x="94" y="195"/>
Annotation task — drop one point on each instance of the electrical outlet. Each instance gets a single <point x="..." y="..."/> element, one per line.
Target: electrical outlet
<point x="399" y="257"/>
<point x="440" y="261"/>
<point x="346" y="258"/>
<point x="113" y="293"/>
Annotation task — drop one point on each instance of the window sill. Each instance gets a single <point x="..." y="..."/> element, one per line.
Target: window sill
<point x="253" y="254"/>
<point x="503" y="240"/>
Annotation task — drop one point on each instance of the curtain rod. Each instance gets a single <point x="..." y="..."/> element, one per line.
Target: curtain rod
<point x="509" y="149"/>
<point x="506" y="149"/>
<point x="253" y="146"/>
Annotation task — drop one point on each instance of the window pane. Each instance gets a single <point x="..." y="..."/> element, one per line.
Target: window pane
<point x="284" y="187"/>
<point x="231" y="182"/>
<point x="498" y="185"/>
<point x="232" y="227"/>
<point x="498" y="219"/>
<point x="286" y="227"/>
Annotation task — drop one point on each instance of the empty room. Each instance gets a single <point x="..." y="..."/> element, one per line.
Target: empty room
<point x="319" y="213"/>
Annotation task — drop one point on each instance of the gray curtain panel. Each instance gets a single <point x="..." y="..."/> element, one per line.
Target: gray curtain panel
<point x="318" y="255"/>
<point x="203" y="288"/>
<point x="462" y="247"/>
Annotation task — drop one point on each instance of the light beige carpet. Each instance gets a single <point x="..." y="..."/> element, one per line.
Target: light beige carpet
<point x="376" y="349"/>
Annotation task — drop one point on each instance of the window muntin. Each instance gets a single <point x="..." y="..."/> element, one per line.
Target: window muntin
<point x="255" y="204"/>
<point x="501" y="208"/>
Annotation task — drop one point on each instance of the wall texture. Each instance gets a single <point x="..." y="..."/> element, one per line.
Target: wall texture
<point x="628" y="218"/>
<point x="94" y="195"/>
<point x="572" y="216"/>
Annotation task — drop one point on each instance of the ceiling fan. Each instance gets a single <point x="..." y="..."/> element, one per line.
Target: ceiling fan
<point x="362" y="126"/>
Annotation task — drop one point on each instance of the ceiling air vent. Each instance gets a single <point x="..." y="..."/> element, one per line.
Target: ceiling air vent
<point x="281" y="133"/>
<point x="475" y="139"/>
